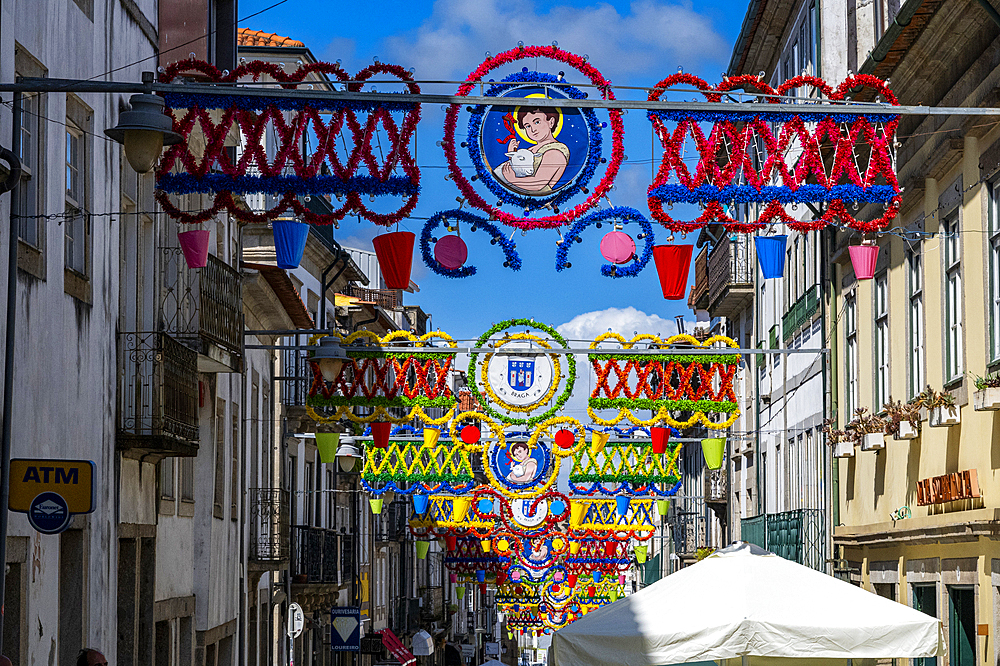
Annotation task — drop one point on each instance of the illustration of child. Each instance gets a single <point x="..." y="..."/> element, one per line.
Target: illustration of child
<point x="523" y="467"/>
<point x="549" y="157"/>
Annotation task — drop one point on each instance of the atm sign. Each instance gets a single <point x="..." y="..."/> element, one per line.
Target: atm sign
<point x="73" y="480"/>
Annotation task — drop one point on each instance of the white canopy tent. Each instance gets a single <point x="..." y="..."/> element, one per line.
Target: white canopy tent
<point x="743" y="603"/>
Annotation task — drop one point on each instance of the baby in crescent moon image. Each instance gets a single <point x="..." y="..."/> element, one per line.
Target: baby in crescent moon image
<point x="548" y="157"/>
<point x="523" y="467"/>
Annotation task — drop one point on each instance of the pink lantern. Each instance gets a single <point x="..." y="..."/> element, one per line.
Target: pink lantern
<point x="451" y="252"/>
<point x="617" y="247"/>
<point x="194" y="244"/>
<point x="864" y="258"/>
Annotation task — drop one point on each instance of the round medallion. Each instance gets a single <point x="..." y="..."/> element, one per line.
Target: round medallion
<point x="520" y="380"/>
<point x="523" y="515"/>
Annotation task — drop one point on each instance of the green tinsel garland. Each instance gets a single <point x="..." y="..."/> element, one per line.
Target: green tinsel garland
<point x="640" y="479"/>
<point x="704" y="406"/>
<point x="724" y="359"/>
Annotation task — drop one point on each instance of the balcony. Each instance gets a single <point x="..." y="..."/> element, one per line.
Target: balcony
<point x="203" y="308"/>
<point x="698" y="298"/>
<point x="797" y="535"/>
<point x="157" y="397"/>
<point x="389" y="299"/>
<point x="801" y="313"/>
<point x="269" y="543"/>
<point x="730" y="277"/>
<point x="391" y="524"/>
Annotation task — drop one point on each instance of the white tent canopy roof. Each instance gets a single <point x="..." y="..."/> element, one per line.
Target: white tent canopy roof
<point x="744" y="601"/>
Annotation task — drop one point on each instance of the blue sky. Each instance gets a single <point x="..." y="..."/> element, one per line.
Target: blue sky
<point x="631" y="43"/>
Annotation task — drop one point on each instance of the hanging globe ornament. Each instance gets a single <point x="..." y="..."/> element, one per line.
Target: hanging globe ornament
<point x="451" y="252"/>
<point x="617" y="247"/>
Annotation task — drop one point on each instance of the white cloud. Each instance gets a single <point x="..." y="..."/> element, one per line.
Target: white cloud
<point x="625" y="321"/>
<point x="651" y="38"/>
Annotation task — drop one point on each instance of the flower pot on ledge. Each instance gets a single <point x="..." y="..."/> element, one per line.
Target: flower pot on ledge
<point x="907" y="431"/>
<point x="873" y="441"/>
<point x="986" y="400"/>
<point x="844" y="449"/>
<point x="941" y="417"/>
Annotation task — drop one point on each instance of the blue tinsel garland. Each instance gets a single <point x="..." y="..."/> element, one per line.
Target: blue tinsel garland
<point x="677" y="193"/>
<point x="768" y="116"/>
<point x="255" y="103"/>
<point x="185" y="183"/>
<point x="530" y="202"/>
<point x="623" y="213"/>
<point x="476" y="223"/>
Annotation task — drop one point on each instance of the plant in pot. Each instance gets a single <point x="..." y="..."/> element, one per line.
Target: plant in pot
<point x="902" y="419"/>
<point x="840" y="440"/>
<point x="869" y="429"/>
<point x="941" y="406"/>
<point x="987" y="395"/>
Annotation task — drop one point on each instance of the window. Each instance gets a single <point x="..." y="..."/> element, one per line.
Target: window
<point x="994" y="271"/>
<point x="167" y="478"/>
<point x="915" y="319"/>
<point x="307" y="501"/>
<point x="881" y="302"/>
<point x="76" y="223"/>
<point x="234" y="478"/>
<point x="851" y="335"/>
<point x="952" y="297"/>
<point x="31" y="229"/>
<point x="219" y="502"/>
<point x="187" y="479"/>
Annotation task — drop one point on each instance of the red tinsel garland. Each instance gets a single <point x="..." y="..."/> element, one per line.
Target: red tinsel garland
<point x="253" y="125"/>
<point x="354" y="379"/>
<point x="655" y="380"/>
<point x="617" y="132"/>
<point x="724" y="153"/>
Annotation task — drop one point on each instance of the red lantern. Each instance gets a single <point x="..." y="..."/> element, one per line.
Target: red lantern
<point x="470" y="434"/>
<point x="591" y="591"/>
<point x="672" y="264"/>
<point x="864" y="258"/>
<point x="501" y="577"/>
<point x="482" y="589"/>
<point x="380" y="434"/>
<point x="451" y="541"/>
<point x="610" y="548"/>
<point x="565" y="439"/>
<point x="395" y="257"/>
<point x="660" y="436"/>
<point x="571" y="580"/>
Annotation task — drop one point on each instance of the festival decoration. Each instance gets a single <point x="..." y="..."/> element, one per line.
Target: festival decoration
<point x="619" y="215"/>
<point x="327" y="443"/>
<point x="713" y="448"/>
<point x="533" y="158"/>
<point x="672" y="264"/>
<point x="289" y="242"/>
<point x="683" y="383"/>
<point x="451" y="252"/>
<point x="379" y="376"/>
<point x="742" y="159"/>
<point x="617" y="247"/>
<point x="379" y="145"/>
<point x="395" y="257"/>
<point x="864" y="258"/>
<point x="626" y="468"/>
<point x="771" y="255"/>
<point x="425" y="468"/>
<point x="475" y="222"/>
<point x="194" y="245"/>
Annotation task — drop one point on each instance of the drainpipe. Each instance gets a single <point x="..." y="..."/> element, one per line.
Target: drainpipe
<point x="902" y="19"/>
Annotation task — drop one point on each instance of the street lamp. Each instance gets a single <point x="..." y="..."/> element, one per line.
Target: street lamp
<point x="347" y="454"/>
<point x="144" y="131"/>
<point x="329" y="358"/>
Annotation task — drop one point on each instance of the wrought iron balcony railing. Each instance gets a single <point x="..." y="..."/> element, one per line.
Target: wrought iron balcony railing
<point x="268" y="525"/>
<point x="390" y="299"/>
<point x="730" y="276"/>
<point x="321" y="556"/>
<point x="158" y="396"/>
<point x="202" y="307"/>
<point x="797" y="535"/>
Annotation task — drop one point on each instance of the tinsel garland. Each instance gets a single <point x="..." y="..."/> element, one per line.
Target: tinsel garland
<point x="726" y="156"/>
<point x="212" y="170"/>
<point x="612" y="214"/>
<point x="617" y="132"/>
<point x="485" y="174"/>
<point x="511" y="258"/>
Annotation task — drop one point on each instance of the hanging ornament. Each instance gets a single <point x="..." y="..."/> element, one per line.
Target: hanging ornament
<point x="617" y="247"/>
<point x="451" y="252"/>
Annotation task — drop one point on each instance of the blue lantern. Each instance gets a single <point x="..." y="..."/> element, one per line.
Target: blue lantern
<point x="289" y="242"/>
<point x="771" y="255"/>
<point x="622" y="502"/>
<point x="420" y="504"/>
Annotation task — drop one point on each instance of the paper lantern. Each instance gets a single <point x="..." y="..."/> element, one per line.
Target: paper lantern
<point x="482" y="589"/>
<point x="487" y="545"/>
<point x="864" y="258"/>
<point x="460" y="591"/>
<point x="451" y="542"/>
<point x="327" y="443"/>
<point x="610" y="548"/>
<point x="640" y="554"/>
<point x="621" y="579"/>
<point x="672" y="264"/>
<point x="431" y="436"/>
<point x="460" y="508"/>
<point x="289" y="242"/>
<point x="622" y="502"/>
<point x="617" y="247"/>
<point x="501" y="577"/>
<point x="376" y="504"/>
<point x="194" y="245"/>
<point x="598" y="440"/>
<point x="597" y="576"/>
<point x="662" y="506"/>
<point x="380" y="433"/>
<point x="574" y="547"/>
<point x="451" y="252"/>
<point x="422" y="547"/>
<point x="480" y="576"/>
<point x="576" y="511"/>
<point x="771" y="255"/>
<point x="571" y="580"/>
<point x="591" y="591"/>
<point x="565" y="438"/>
<point x="713" y="449"/>
<point x="660" y="437"/>
<point x="420" y="503"/>
<point x="470" y="434"/>
<point x="453" y="577"/>
<point x="395" y="257"/>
